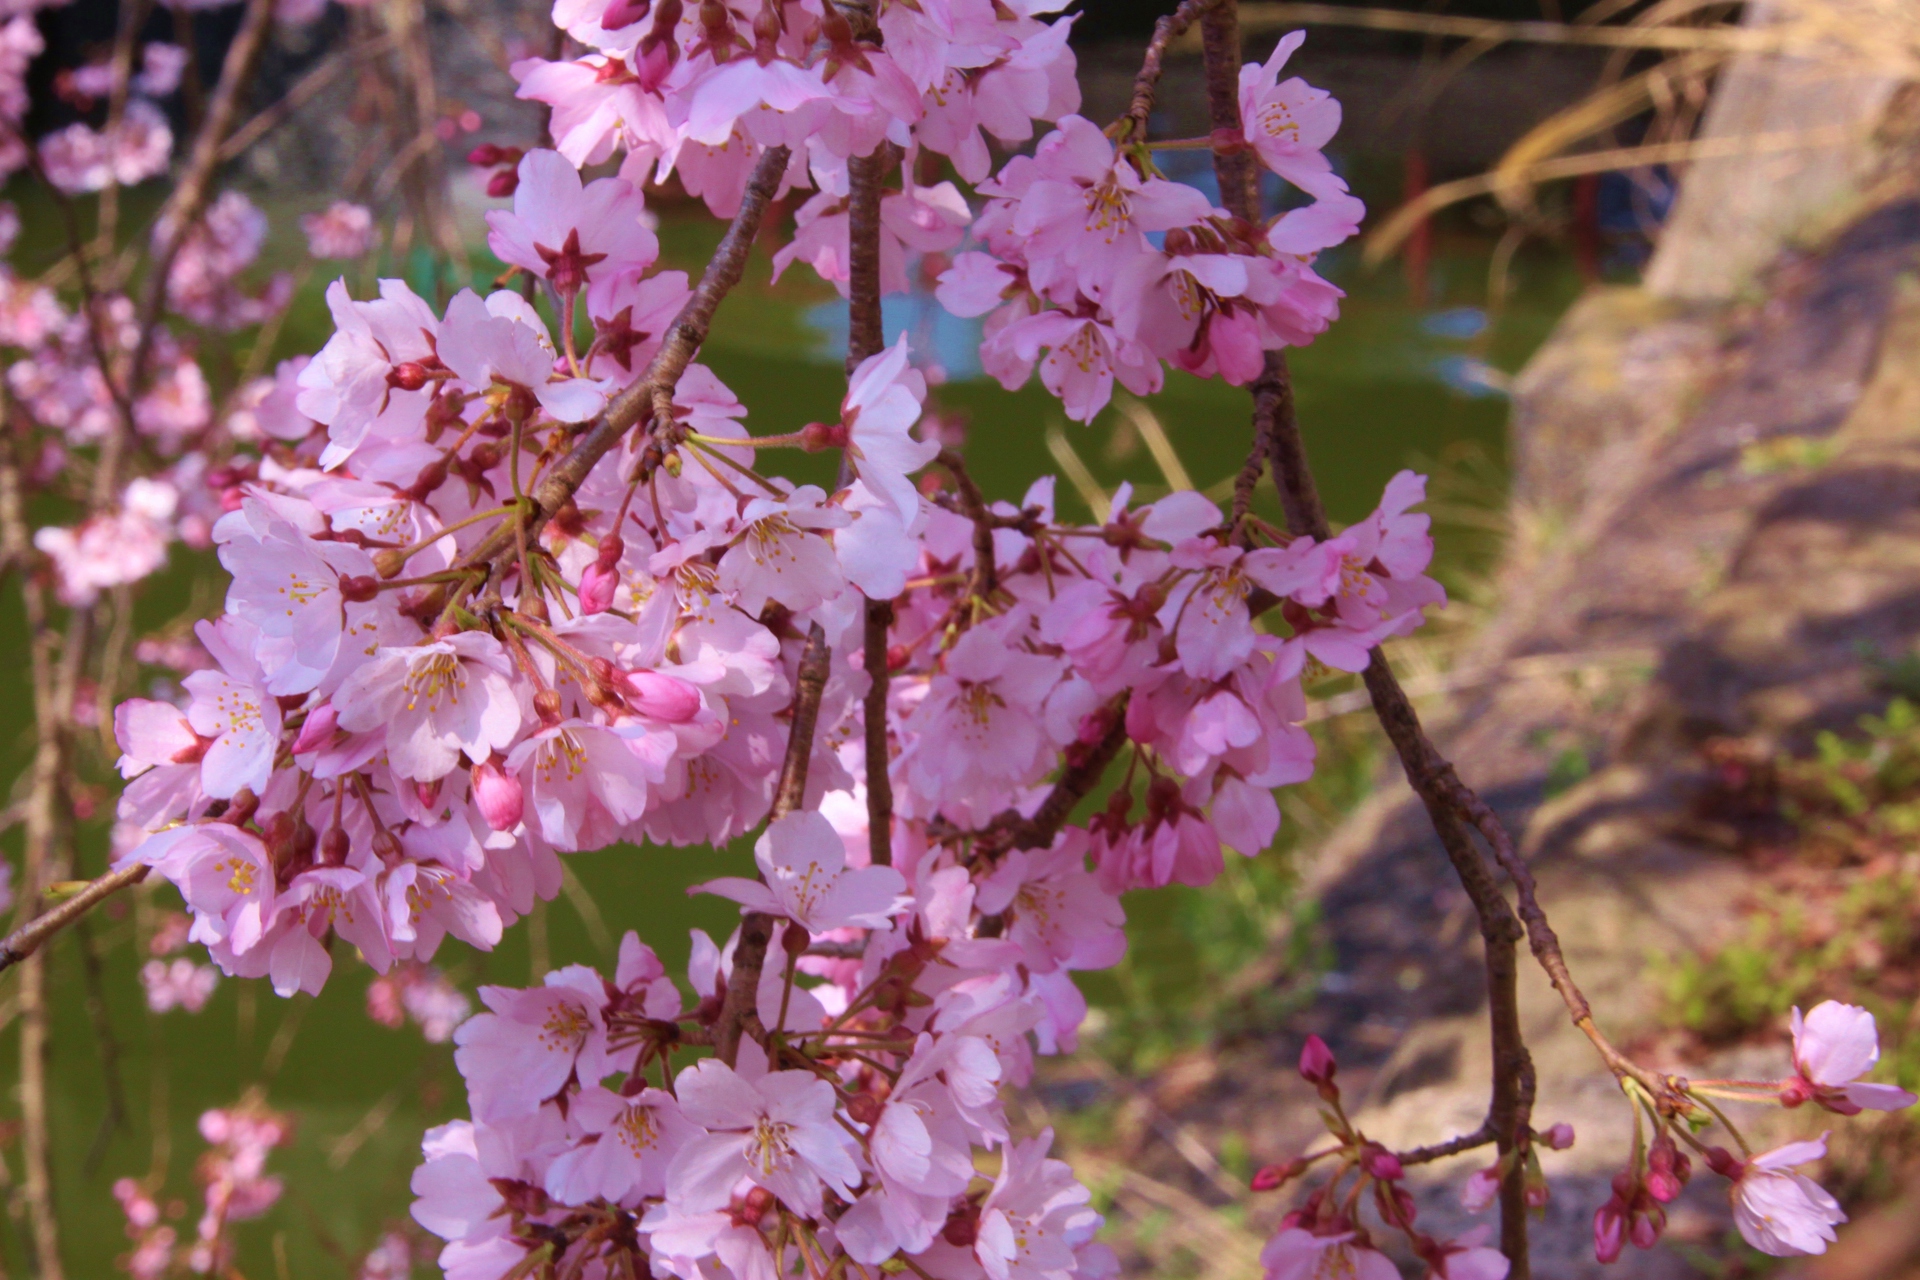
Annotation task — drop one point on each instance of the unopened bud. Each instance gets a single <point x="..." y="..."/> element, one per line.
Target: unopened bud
<point x="503" y="183"/>
<point x="1558" y="1138"/>
<point x="597" y="588"/>
<point x="407" y="376"/>
<point x="389" y="561"/>
<point x="1381" y="1163"/>
<point x="499" y="796"/>
<point x="1272" y="1177"/>
<point x="359" y="590"/>
<point x="863" y="1108"/>
<point x="546" y="705"/>
<point x="318" y="731"/>
<point x="241" y="807"/>
<point x="660" y="697"/>
<point x="963" y="1228"/>
<point x="898" y="655"/>
<point x="1316" y="1062"/>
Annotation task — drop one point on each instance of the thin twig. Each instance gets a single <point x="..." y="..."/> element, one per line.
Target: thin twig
<point x="973" y="504"/>
<point x="866" y="338"/>
<point x="683" y="338"/>
<point x="1147" y="84"/>
<point x="177" y="220"/>
<point x="272" y="117"/>
<point x="756" y="929"/>
<point x="31" y="936"/>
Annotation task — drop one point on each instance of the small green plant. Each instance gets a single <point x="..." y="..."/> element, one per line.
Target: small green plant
<point x="1842" y="916"/>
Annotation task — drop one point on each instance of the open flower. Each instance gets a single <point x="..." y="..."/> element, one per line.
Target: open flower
<point x="778" y="1131"/>
<point x="1834" y="1046"/>
<point x="1780" y="1212"/>
<point x="436" y="701"/>
<point x="808" y="880"/>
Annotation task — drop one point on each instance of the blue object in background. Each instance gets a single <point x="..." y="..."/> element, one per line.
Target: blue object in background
<point x="934" y="333"/>
<point x="1457" y="322"/>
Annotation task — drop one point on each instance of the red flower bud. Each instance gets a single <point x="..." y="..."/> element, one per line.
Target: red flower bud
<point x="1316" y="1062"/>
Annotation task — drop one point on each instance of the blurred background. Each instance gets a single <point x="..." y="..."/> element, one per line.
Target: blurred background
<point x="1636" y="290"/>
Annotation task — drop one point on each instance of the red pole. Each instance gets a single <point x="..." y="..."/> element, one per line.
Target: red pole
<point x="1419" y="251"/>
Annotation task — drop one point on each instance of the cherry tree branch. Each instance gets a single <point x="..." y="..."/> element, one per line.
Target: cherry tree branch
<point x="737" y="1014"/>
<point x="652" y="392"/>
<point x="31" y="936"/>
<point x="178" y="217"/>
<point x="1146" y="85"/>
<point x="866" y="338"/>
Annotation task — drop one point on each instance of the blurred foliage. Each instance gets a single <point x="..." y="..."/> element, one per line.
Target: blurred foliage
<point x="1839" y="914"/>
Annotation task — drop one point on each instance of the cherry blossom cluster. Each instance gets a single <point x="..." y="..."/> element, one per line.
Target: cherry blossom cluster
<point x="1069" y="267"/>
<point x="235" y="1188"/>
<point x="700" y="90"/>
<point x="849" y="1140"/>
<point x="1776" y="1210"/>
<point x="394" y="745"/>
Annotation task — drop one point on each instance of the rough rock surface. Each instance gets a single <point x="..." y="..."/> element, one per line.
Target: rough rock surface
<point x="1719" y="515"/>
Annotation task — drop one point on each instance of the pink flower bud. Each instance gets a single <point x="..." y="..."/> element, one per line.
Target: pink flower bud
<point x="1609" y="1230"/>
<point x="1316" y="1062"/>
<point x="319" y="729"/>
<point x="1645" y="1228"/>
<point x="1381" y="1163"/>
<point x="1558" y="1138"/>
<point x="1481" y="1190"/>
<point x="1269" y="1177"/>
<point x="499" y="795"/>
<point x="665" y="698"/>
<point x="597" y="586"/>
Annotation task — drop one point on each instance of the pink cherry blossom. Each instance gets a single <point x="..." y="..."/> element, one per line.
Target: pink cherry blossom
<point x="1780" y="1212"/>
<point x="576" y="236"/>
<point x="778" y="1131"/>
<point x="179" y="984"/>
<point x="808" y="880"/>
<point x="1289" y="122"/>
<point x="1833" y="1046"/>
<point x="343" y="230"/>
<point x="1296" y="1254"/>
<point x="436" y="701"/>
<point x="883" y="402"/>
<point x="530" y="1043"/>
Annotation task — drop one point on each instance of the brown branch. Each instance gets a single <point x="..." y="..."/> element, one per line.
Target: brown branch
<point x="31" y="936"/>
<point x="866" y="337"/>
<point x="973" y="504"/>
<point x="1147" y="84"/>
<point x="178" y="217"/>
<point x="874" y="713"/>
<point x="1452" y="1147"/>
<point x="737" y="1015"/>
<point x="662" y="374"/>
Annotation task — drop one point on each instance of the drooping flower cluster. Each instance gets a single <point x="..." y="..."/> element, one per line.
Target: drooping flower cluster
<point x="388" y="752"/>
<point x="235" y="1185"/>
<point x="1072" y="265"/>
<point x="853" y="1135"/>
